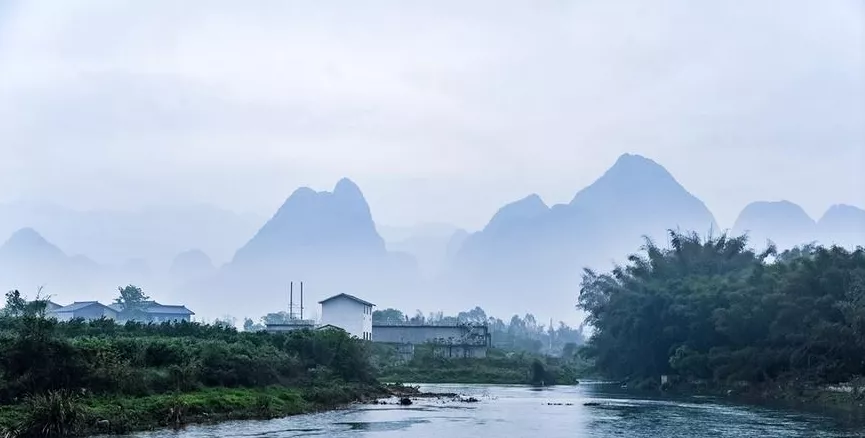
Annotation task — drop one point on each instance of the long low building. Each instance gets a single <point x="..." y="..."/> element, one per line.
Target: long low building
<point x="462" y="340"/>
<point x="151" y="312"/>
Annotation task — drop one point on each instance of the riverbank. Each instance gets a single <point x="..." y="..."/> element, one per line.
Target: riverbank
<point x="83" y="416"/>
<point x="847" y="397"/>
<point x="77" y="378"/>
<point x="830" y="397"/>
<point x="499" y="367"/>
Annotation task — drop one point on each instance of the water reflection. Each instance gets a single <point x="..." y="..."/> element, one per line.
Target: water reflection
<point x="588" y="410"/>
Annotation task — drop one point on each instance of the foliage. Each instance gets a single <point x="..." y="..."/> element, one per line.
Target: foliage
<point x="388" y="316"/>
<point x="133" y="299"/>
<point x="226" y="321"/>
<point x="250" y="326"/>
<point x="44" y="361"/>
<point x="17" y="304"/>
<point x="713" y="310"/>
<point x="53" y="414"/>
<point x="276" y="318"/>
<point x="518" y="334"/>
<point x="499" y="367"/>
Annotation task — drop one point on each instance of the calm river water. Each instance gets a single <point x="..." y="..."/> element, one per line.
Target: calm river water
<point x="512" y="411"/>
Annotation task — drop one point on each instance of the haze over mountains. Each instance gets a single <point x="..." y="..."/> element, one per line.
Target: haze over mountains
<point x="327" y="240"/>
<point x="528" y="258"/>
<point x="154" y="234"/>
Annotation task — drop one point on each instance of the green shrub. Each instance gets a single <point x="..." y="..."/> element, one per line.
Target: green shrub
<point x="53" y="414"/>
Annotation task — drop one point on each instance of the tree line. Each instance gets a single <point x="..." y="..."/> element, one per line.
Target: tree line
<point x="713" y="310"/>
<point x="522" y="334"/>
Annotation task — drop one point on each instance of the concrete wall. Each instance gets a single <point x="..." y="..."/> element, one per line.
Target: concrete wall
<point x="349" y="315"/>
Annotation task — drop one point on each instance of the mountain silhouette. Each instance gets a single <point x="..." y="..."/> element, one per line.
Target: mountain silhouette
<point x="29" y="261"/>
<point x="156" y="233"/>
<point x="529" y="248"/>
<point x="28" y="246"/>
<point x="781" y="222"/>
<point x="310" y="223"/>
<point x="328" y="240"/>
<point x="189" y="266"/>
<point x="428" y="243"/>
<point x="843" y="225"/>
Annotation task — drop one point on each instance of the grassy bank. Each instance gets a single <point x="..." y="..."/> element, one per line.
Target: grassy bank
<point x="74" y="378"/>
<point x="83" y="415"/>
<point x="498" y="367"/>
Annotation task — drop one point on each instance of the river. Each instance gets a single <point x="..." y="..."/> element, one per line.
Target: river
<point x="519" y="411"/>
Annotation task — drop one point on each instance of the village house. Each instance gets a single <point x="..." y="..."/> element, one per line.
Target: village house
<point x="349" y="313"/>
<point x="87" y="310"/>
<point x="151" y="311"/>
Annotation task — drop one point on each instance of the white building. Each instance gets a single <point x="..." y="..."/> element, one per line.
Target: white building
<point x="349" y="313"/>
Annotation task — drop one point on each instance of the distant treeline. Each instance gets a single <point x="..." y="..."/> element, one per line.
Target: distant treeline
<point x="519" y="334"/>
<point x="498" y="367"/>
<point x="712" y="310"/>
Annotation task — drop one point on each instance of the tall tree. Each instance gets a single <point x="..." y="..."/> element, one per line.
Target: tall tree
<point x="133" y="301"/>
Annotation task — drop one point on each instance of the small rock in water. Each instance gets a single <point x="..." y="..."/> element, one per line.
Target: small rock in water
<point x="591" y="404"/>
<point x="405" y="401"/>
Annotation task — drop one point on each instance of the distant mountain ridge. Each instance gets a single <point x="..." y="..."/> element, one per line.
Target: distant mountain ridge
<point x="28" y="262"/>
<point x="529" y="247"/>
<point x="327" y="240"/>
<point x="528" y="257"/>
<point x="431" y="244"/>
<point x="155" y="234"/>
<point x="190" y="266"/>
<point x="311" y="221"/>
<point x="843" y="225"/>
<point x="787" y="225"/>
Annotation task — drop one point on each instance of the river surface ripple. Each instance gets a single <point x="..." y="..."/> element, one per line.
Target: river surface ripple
<point x="552" y="412"/>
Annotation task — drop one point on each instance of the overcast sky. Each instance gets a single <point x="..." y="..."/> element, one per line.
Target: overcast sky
<point x="439" y="110"/>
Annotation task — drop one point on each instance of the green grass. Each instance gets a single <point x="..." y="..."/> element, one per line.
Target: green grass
<point x="497" y="368"/>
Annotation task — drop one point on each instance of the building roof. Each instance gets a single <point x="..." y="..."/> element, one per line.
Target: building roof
<point x="152" y="307"/>
<point x="351" y="297"/>
<point x="78" y="305"/>
<point x="168" y="309"/>
<point x="329" y="327"/>
<point x="293" y="323"/>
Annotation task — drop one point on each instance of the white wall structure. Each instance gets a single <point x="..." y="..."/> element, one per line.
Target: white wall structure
<point x="349" y="313"/>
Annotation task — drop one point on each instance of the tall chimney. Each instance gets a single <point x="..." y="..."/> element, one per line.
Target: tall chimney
<point x="291" y="300"/>
<point x="301" y="300"/>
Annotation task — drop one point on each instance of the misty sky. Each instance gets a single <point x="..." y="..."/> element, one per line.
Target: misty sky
<point x="439" y="110"/>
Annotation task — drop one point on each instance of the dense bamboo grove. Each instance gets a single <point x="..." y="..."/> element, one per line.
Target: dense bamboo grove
<point x="713" y="310"/>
